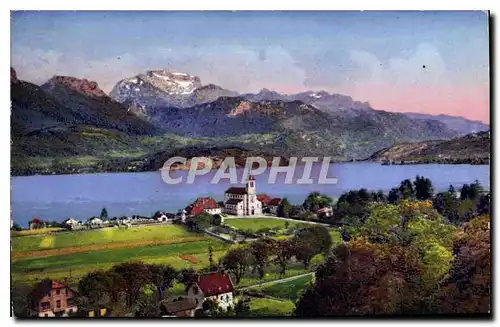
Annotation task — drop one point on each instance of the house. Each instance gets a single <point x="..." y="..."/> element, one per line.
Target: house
<point x="216" y="286"/>
<point x="273" y="205"/>
<point x="263" y="198"/>
<point x="51" y="298"/>
<point x="70" y="222"/>
<point x="242" y="201"/>
<point x="181" y="308"/>
<point x="36" y="223"/>
<point x="207" y="204"/>
<point x="162" y="218"/>
<point x="94" y="221"/>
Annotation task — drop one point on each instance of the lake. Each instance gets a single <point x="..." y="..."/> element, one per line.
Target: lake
<point x="57" y="197"/>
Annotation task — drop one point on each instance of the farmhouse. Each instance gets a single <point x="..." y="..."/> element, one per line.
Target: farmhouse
<point x="36" y="223"/>
<point x="181" y="308"/>
<point x="51" y="298"/>
<point x="216" y="286"/>
<point x="242" y="201"/>
<point x="207" y="204"/>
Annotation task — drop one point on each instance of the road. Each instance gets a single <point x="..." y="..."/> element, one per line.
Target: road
<point x="278" y="281"/>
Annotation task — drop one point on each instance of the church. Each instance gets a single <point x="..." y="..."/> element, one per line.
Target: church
<point x="242" y="201"/>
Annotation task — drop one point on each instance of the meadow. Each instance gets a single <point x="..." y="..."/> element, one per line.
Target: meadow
<point x="288" y="290"/>
<point x="111" y="235"/>
<point x="271" y="307"/>
<point x="254" y="224"/>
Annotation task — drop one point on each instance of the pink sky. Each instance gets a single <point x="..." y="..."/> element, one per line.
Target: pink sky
<point x="469" y="101"/>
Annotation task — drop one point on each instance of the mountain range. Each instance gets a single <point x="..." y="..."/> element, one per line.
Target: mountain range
<point x="71" y="122"/>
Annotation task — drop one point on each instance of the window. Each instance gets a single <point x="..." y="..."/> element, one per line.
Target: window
<point x="46" y="315"/>
<point x="58" y="292"/>
<point x="58" y="303"/>
<point x="67" y="291"/>
<point x="69" y="301"/>
<point x="45" y="305"/>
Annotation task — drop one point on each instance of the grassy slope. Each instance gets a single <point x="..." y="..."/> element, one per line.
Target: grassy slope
<point x="98" y="236"/>
<point x="269" y="307"/>
<point x="288" y="290"/>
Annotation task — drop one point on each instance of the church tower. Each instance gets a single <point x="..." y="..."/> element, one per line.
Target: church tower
<point x="251" y="185"/>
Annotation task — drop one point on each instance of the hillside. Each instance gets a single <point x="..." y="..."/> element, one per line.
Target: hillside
<point x="472" y="148"/>
<point x="70" y="121"/>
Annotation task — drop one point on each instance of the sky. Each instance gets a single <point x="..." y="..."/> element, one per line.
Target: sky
<point x="429" y="62"/>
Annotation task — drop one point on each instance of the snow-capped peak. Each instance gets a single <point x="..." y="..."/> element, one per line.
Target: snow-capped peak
<point x="173" y="82"/>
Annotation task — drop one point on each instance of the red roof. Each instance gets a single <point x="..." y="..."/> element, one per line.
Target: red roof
<point x="45" y="286"/>
<point x="215" y="283"/>
<point x="200" y="205"/>
<point x="274" y="202"/>
<point x="264" y="198"/>
<point x="36" y="220"/>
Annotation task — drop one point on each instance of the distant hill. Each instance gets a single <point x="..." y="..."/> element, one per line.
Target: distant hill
<point x="459" y="124"/>
<point x="471" y="148"/>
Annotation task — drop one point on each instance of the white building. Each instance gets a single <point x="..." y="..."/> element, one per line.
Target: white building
<point x="216" y="286"/>
<point x="242" y="201"/>
<point x="95" y="221"/>
<point x="70" y="222"/>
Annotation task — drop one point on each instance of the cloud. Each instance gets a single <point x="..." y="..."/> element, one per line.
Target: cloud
<point x="424" y="66"/>
<point x="233" y="67"/>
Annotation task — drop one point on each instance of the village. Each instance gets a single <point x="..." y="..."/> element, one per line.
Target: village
<point x="296" y="237"/>
<point x="51" y="298"/>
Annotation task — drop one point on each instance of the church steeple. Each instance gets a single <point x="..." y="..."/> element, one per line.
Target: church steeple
<point x="251" y="185"/>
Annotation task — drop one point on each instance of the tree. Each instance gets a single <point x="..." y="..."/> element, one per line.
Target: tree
<point x="217" y="220"/>
<point x="21" y="301"/>
<point x="394" y="196"/>
<point x="468" y="288"/>
<point x="186" y="276"/>
<point x="236" y="260"/>
<point x="162" y="277"/>
<point x="483" y="206"/>
<point x="316" y="201"/>
<point x="353" y="207"/>
<point x="200" y="221"/>
<point x="242" y="308"/>
<point x="423" y="188"/>
<point x="284" y="208"/>
<point x="16" y="227"/>
<point x="466" y="210"/>
<point x="134" y="275"/>
<point x="406" y="189"/>
<point x="99" y="288"/>
<point x="364" y="279"/>
<point x="211" y="257"/>
<point x="261" y="250"/>
<point x="284" y="251"/>
<point x="104" y="213"/>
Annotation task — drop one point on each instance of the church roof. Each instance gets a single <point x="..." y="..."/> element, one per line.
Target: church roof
<point x="233" y="201"/>
<point x="237" y="190"/>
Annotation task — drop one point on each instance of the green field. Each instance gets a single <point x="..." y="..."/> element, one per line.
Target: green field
<point x="74" y="254"/>
<point x="270" y="307"/>
<point x="288" y="290"/>
<point x="40" y="231"/>
<point x="99" y="236"/>
<point x="254" y="224"/>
